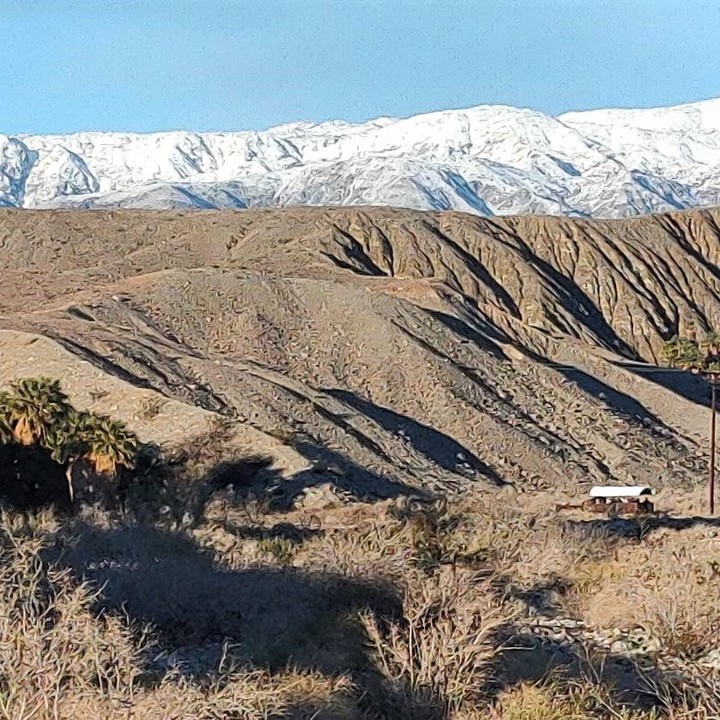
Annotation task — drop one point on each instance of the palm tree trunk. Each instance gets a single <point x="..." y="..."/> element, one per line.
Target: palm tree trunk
<point x="69" y="476"/>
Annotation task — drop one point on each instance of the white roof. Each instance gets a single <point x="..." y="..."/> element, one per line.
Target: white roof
<point x="605" y="491"/>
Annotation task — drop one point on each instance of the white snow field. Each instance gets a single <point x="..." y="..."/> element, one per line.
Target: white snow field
<point x="488" y="160"/>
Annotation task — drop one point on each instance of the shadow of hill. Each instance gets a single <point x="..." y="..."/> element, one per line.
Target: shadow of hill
<point x="566" y="291"/>
<point x="686" y="384"/>
<point x="617" y="401"/>
<point x="291" y="532"/>
<point x="435" y="445"/>
<point x="173" y="487"/>
<point x="473" y="329"/>
<point x="330" y="466"/>
<point x="201" y="611"/>
<point x="275" y="617"/>
<point x="627" y="680"/>
<point x="541" y="598"/>
<point x="562" y="651"/>
<point x="640" y="527"/>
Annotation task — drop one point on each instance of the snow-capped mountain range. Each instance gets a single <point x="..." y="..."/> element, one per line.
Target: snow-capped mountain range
<point x="489" y="160"/>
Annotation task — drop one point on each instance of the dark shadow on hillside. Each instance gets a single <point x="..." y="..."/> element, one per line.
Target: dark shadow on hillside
<point x="264" y="617"/>
<point x="477" y="331"/>
<point x="169" y="488"/>
<point x="243" y="477"/>
<point x="571" y="297"/>
<point x="478" y="270"/>
<point x="541" y="598"/>
<point x="619" y="402"/>
<point x="279" y="616"/>
<point x="436" y="446"/>
<point x="295" y="534"/>
<point x="639" y="528"/>
<point x="489" y="393"/>
<point x="330" y="466"/>
<point x="563" y="651"/>
<point x="31" y="480"/>
<point x="686" y="384"/>
<point x="568" y="293"/>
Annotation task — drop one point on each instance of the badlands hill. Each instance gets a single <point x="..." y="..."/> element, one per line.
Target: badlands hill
<point x="486" y="160"/>
<point x="376" y="351"/>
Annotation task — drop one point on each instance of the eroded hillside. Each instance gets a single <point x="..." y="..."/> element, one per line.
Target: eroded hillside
<point x="378" y="350"/>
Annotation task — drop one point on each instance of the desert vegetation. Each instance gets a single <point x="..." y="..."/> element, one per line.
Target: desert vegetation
<point x="347" y="433"/>
<point x="38" y="421"/>
<point x="480" y="605"/>
<point x="701" y="355"/>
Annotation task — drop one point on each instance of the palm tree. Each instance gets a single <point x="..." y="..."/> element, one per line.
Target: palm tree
<point x="65" y="449"/>
<point x="33" y="408"/>
<point x="701" y="357"/>
<point x="112" y="446"/>
<point x="37" y="412"/>
<point x="6" y="433"/>
<point x="106" y="443"/>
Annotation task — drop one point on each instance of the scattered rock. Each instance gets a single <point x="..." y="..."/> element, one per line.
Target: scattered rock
<point x="319" y="497"/>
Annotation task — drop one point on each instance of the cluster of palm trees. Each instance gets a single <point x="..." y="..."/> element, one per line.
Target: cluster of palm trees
<point x="36" y="412"/>
<point x="687" y="353"/>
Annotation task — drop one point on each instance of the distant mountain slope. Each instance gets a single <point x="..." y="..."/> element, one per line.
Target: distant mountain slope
<point x="488" y="160"/>
<point x="384" y="348"/>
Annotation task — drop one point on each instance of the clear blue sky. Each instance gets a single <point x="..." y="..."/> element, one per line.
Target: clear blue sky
<point x="143" y="65"/>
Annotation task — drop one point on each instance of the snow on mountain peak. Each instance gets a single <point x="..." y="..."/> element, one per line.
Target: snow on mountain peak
<point x="485" y="160"/>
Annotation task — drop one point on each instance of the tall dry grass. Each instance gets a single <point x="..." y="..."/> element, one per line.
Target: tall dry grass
<point x="469" y="573"/>
<point x="437" y="656"/>
<point x="60" y="659"/>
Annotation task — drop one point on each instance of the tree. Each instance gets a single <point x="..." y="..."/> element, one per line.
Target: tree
<point x="6" y="433"/>
<point x="110" y="445"/>
<point x="700" y="356"/>
<point x="703" y="358"/>
<point x="33" y="408"/>
<point x="36" y="412"/>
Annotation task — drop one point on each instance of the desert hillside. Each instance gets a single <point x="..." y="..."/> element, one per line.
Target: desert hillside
<point x="427" y="350"/>
<point x="365" y="419"/>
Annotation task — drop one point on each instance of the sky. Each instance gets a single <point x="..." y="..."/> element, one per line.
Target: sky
<point x="152" y="65"/>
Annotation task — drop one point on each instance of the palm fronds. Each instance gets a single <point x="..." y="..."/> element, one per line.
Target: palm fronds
<point x="691" y="354"/>
<point x="37" y="412"/>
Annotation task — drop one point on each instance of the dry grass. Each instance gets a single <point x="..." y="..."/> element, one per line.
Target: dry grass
<point x="309" y="640"/>
<point x="553" y="700"/>
<point x="695" y="695"/>
<point x="246" y="694"/>
<point x="681" y="610"/>
<point x="52" y="645"/>
<point x="440" y="651"/>
<point x="59" y="658"/>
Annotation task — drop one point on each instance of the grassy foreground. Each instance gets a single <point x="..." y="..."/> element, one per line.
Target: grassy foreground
<point x="469" y="609"/>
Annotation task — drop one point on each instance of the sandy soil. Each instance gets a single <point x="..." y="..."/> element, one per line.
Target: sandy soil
<point x="394" y="350"/>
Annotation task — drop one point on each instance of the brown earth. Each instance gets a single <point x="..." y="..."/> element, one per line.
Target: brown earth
<point x="392" y="348"/>
<point x="371" y="354"/>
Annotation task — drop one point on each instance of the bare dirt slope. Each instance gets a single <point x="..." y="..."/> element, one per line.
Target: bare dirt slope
<point x="376" y="349"/>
